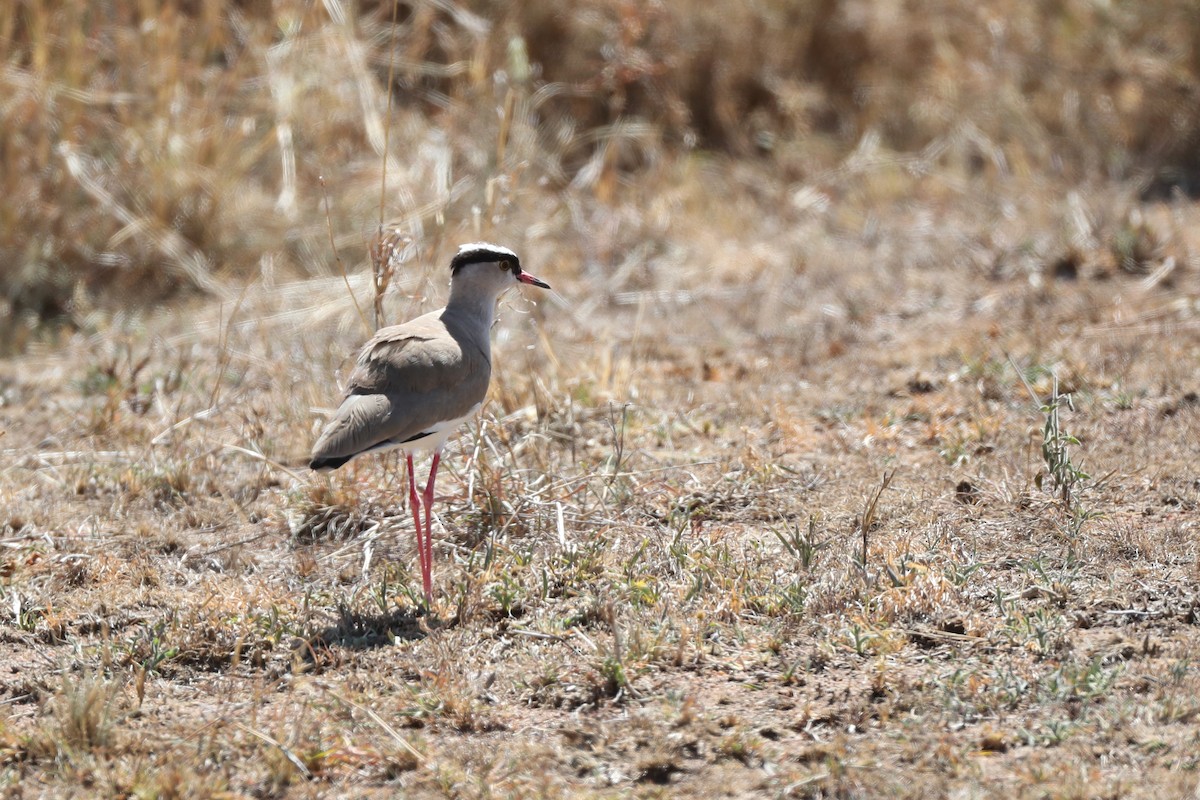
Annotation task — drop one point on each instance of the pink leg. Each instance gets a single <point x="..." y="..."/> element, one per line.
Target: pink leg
<point x="415" y="502"/>
<point x="428" y="576"/>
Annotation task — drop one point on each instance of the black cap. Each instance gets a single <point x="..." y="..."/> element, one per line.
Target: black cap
<point x="483" y="252"/>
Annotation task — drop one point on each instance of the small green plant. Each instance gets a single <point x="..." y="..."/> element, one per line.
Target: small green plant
<point x="791" y="672"/>
<point x="378" y="591"/>
<point x="959" y="573"/>
<point x="1053" y="733"/>
<point x="860" y="639"/>
<point x="1081" y="682"/>
<point x="1066" y="477"/>
<point x="792" y="597"/>
<point x="617" y="484"/>
<point x="1056" y="442"/>
<point x="1041" y="629"/>
<point x="25" y="616"/>
<point x="802" y="546"/>
<point x="1079" y="517"/>
<point x="904" y="571"/>
<point x="507" y="593"/>
<point x="1122" y="400"/>
<point x="159" y="651"/>
<point x="612" y="670"/>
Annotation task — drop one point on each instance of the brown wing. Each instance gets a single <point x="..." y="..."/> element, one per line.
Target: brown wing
<point x="408" y="378"/>
<point x="418" y="357"/>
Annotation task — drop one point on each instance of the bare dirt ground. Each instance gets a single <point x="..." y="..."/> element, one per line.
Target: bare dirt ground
<point x="649" y="550"/>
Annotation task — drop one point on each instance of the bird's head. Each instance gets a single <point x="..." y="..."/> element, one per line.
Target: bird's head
<point x="497" y="266"/>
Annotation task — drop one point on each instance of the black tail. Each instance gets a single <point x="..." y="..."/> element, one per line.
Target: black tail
<point x="328" y="463"/>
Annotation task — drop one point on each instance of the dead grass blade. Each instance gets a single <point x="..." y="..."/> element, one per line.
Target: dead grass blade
<point x="868" y="516"/>
<point x="384" y="726"/>
<point x="295" y="760"/>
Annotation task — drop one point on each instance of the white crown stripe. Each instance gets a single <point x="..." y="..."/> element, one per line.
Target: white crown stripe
<point x="486" y="246"/>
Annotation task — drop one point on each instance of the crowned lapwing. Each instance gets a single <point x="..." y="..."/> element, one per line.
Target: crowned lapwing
<point x="414" y="384"/>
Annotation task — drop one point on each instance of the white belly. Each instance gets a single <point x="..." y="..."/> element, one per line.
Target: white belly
<point x="435" y="436"/>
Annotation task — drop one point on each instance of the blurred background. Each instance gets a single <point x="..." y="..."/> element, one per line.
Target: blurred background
<point x="153" y="153"/>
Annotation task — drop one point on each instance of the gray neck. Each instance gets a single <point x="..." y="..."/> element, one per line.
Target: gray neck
<point x="471" y="312"/>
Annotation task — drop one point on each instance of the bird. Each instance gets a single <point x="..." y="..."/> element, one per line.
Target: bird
<point x="415" y="384"/>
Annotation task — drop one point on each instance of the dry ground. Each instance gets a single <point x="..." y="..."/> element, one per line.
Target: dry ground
<point x="762" y="503"/>
<point x="650" y="567"/>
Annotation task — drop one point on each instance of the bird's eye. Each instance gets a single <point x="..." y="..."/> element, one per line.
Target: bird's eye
<point x="506" y="265"/>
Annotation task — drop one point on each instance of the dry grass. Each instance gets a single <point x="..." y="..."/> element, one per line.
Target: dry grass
<point x="761" y="503"/>
<point x="153" y="149"/>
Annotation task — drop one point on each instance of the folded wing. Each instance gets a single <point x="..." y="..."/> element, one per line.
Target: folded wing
<point x="409" y="380"/>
